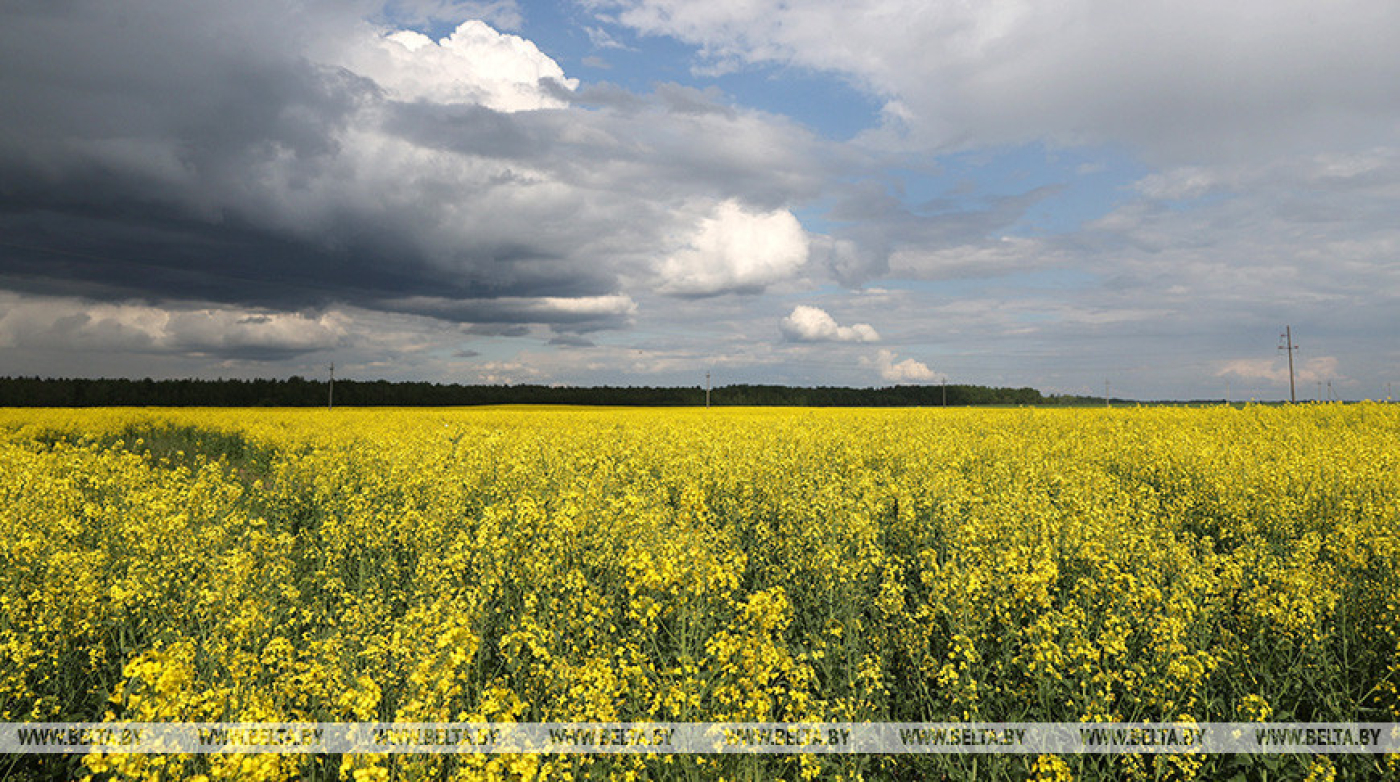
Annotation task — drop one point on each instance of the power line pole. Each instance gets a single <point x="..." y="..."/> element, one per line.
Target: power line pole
<point x="945" y="391"/>
<point x="330" y="394"/>
<point x="707" y="390"/>
<point x="1290" y="347"/>
<point x="1107" y="400"/>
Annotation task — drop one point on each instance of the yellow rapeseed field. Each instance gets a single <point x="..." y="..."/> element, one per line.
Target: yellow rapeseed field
<point x="556" y="565"/>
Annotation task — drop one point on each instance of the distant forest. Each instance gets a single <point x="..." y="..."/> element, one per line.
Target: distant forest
<point x="300" y="392"/>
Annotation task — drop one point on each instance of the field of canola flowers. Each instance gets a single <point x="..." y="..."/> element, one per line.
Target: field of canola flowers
<point x="536" y="565"/>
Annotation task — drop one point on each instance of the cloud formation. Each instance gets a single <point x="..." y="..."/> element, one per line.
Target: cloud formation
<point x="1180" y="80"/>
<point x="59" y="323"/>
<point x="298" y="158"/>
<point x="907" y="371"/>
<point x="735" y="250"/>
<point x="812" y="324"/>
<point x="475" y="65"/>
<point x="199" y="187"/>
<point x="576" y="314"/>
<point x="1320" y="369"/>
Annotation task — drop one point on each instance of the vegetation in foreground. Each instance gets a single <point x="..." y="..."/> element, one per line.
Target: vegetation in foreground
<point x="1216" y="564"/>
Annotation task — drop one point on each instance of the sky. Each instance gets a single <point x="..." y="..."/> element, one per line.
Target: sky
<point x="1071" y="195"/>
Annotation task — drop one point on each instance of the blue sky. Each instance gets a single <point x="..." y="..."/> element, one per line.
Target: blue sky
<point x="1054" y="195"/>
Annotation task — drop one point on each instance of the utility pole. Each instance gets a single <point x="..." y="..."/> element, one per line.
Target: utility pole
<point x="945" y="391"/>
<point x="330" y="394"/>
<point x="1290" y="347"/>
<point x="1107" y="400"/>
<point x="1329" y="390"/>
<point x="707" y="390"/>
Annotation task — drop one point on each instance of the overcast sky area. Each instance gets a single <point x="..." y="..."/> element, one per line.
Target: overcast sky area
<point x="637" y="192"/>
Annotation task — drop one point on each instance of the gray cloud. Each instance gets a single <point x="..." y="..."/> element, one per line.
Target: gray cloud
<point x="1179" y="81"/>
<point x="568" y="341"/>
<point x="875" y="226"/>
<point x="577" y="314"/>
<point x="192" y="152"/>
<point x="71" y="324"/>
<point x="688" y="100"/>
<point x="504" y="14"/>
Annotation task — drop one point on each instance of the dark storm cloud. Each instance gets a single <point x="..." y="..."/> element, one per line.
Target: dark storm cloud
<point x="132" y="132"/>
<point x="202" y="151"/>
<point x="155" y="254"/>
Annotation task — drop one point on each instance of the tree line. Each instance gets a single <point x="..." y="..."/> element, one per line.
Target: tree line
<point x="300" y="392"/>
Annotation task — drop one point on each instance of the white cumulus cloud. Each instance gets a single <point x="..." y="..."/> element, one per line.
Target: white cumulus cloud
<point x="811" y="324"/>
<point x="474" y="65"/>
<point x="906" y="371"/>
<point x="736" y="251"/>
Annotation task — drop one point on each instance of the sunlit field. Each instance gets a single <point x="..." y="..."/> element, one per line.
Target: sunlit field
<point x="564" y="565"/>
